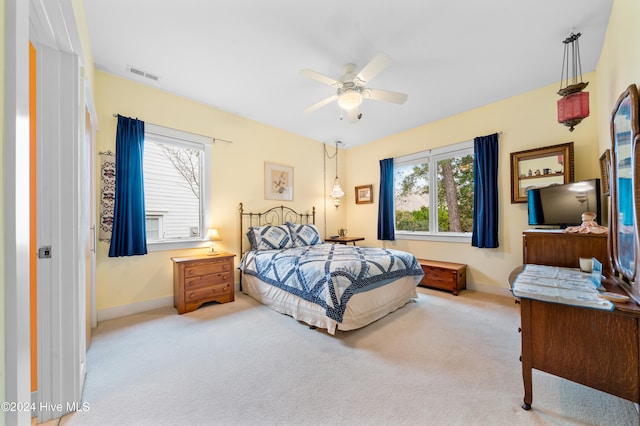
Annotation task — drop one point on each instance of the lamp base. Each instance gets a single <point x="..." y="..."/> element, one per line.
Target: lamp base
<point x="213" y="253"/>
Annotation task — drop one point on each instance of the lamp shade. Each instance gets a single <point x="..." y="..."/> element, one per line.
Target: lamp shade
<point x="350" y="99"/>
<point x="573" y="108"/>
<point x="213" y="235"/>
<point x="337" y="191"/>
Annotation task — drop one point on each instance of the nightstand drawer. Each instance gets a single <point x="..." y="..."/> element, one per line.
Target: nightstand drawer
<point x="193" y="283"/>
<point x="206" y="294"/>
<point x="206" y="268"/>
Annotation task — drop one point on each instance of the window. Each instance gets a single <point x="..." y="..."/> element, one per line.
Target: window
<point x="175" y="171"/>
<point x="154" y="226"/>
<point x="433" y="193"/>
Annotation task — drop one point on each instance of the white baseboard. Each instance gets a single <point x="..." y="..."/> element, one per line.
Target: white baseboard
<point x="134" y="308"/>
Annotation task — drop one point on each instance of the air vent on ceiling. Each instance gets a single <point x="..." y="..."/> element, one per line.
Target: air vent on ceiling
<point x="142" y="73"/>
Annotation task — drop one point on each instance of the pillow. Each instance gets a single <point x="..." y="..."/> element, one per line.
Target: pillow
<point x="304" y="235"/>
<point x="269" y="237"/>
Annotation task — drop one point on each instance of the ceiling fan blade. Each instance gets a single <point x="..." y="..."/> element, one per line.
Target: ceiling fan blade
<point x="321" y="78"/>
<point x="322" y="103"/>
<point x="385" y="95"/>
<point x="353" y="115"/>
<point x="377" y="64"/>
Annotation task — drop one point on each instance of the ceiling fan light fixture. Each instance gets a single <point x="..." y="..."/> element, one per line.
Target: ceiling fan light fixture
<point x="350" y="99"/>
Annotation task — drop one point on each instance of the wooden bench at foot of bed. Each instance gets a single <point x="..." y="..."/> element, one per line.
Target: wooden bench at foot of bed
<point x="443" y="275"/>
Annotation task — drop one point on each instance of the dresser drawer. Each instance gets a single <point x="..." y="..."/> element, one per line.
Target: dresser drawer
<point x="205" y="268"/>
<point x="199" y="281"/>
<point x="209" y="293"/>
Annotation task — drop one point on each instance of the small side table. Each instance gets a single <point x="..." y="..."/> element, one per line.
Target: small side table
<point x="202" y="278"/>
<point x="344" y="240"/>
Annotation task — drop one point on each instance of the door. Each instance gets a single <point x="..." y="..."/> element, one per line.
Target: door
<point x="61" y="227"/>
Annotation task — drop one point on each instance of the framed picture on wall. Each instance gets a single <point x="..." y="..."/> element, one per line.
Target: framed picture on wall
<point x="605" y="171"/>
<point x="364" y="194"/>
<point x="278" y="182"/>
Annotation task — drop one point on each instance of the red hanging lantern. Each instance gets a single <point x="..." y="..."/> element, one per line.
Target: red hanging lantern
<point x="573" y="107"/>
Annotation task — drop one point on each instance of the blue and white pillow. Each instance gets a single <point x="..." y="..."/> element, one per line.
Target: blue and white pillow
<point x="269" y="237"/>
<point x="304" y="235"/>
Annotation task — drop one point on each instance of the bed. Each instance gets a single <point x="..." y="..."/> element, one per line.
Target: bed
<point x="286" y="266"/>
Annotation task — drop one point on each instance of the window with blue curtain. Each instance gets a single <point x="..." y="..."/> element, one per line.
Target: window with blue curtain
<point x="485" y="201"/>
<point x="128" y="237"/>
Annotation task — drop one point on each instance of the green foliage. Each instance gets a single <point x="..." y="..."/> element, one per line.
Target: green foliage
<point x="417" y="182"/>
<point x="417" y="220"/>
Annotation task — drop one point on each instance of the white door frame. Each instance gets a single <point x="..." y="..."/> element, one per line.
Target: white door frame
<point x="15" y="340"/>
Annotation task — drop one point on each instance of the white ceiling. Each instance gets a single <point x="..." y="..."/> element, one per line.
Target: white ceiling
<point x="245" y="56"/>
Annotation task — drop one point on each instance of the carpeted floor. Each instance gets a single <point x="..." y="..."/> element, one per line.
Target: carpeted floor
<point x="443" y="360"/>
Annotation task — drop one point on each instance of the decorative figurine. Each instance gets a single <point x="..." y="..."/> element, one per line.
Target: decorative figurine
<point x="589" y="226"/>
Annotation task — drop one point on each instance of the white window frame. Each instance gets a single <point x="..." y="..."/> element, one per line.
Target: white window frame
<point x="179" y="137"/>
<point x="159" y="216"/>
<point x="432" y="156"/>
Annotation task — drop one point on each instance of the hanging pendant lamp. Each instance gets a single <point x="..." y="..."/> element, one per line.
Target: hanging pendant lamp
<point x="573" y="107"/>
<point x="336" y="191"/>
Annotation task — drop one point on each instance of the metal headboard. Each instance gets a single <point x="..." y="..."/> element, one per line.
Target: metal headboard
<point x="274" y="216"/>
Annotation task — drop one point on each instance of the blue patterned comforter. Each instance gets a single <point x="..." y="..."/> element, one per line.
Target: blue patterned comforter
<point x="329" y="274"/>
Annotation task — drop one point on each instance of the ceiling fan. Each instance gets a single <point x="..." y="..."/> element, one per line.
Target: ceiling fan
<point x="351" y="88"/>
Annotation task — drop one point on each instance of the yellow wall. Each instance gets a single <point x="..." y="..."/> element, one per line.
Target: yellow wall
<point x="238" y="171"/>
<point x="619" y="64"/>
<point x="526" y="121"/>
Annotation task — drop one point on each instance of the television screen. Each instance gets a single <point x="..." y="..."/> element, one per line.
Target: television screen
<point x="563" y="205"/>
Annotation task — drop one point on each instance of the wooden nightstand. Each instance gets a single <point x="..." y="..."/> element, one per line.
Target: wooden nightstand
<point x="344" y="240"/>
<point x="200" y="279"/>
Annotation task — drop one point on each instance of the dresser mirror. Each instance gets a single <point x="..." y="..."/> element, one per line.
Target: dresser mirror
<point x="623" y="220"/>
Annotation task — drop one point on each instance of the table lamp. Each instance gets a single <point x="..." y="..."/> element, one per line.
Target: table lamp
<point x="213" y="235"/>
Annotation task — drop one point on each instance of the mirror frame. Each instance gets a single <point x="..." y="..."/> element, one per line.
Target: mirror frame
<point x="552" y="177"/>
<point x="626" y="278"/>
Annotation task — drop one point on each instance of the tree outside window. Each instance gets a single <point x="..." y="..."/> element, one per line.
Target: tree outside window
<point x="434" y="191"/>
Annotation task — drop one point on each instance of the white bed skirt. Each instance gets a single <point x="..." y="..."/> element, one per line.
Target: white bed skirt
<point x="362" y="309"/>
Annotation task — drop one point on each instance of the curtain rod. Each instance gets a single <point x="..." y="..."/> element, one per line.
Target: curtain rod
<point x="212" y="138"/>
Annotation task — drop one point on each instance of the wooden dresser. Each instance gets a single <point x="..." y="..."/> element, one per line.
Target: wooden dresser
<point x="554" y="247"/>
<point x="201" y="279"/>
<point x="596" y="348"/>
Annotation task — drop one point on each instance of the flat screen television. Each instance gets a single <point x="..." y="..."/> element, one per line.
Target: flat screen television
<point x="563" y="205"/>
